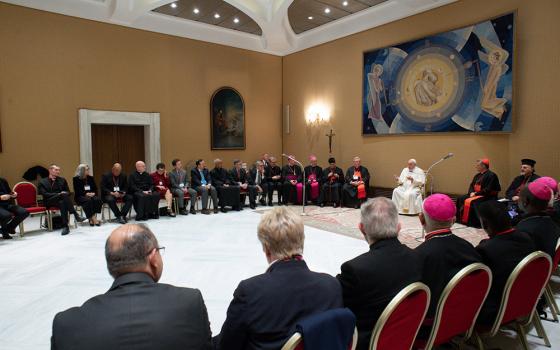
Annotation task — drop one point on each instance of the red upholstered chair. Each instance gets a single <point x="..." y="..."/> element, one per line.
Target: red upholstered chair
<point x="399" y="323"/>
<point x="296" y="342"/>
<point x="27" y="199"/>
<point x="519" y="299"/>
<point x="548" y="293"/>
<point x="186" y="196"/>
<point x="458" y="306"/>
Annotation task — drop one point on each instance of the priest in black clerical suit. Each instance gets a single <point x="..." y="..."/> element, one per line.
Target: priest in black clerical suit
<point x="228" y="194"/>
<point x="146" y="198"/>
<point x="484" y="186"/>
<point x="274" y="179"/>
<point x="354" y="191"/>
<point x="291" y="175"/>
<point x="114" y="187"/>
<point x="11" y="215"/>
<point x="333" y="179"/>
<point x="313" y="180"/>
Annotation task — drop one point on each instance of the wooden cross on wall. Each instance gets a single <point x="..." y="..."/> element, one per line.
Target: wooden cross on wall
<point x="330" y="135"/>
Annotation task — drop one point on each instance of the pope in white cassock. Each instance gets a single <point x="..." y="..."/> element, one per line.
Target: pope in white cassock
<point x="408" y="195"/>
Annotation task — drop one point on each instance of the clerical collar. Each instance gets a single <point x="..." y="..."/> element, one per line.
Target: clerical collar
<point x="505" y="232"/>
<point x="439" y="233"/>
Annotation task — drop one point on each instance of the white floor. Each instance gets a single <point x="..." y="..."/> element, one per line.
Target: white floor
<point x="44" y="273"/>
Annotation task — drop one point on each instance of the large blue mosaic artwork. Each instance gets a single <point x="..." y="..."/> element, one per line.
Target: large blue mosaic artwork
<point x="458" y="81"/>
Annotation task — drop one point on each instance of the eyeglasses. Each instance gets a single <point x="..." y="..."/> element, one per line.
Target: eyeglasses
<point x="161" y="250"/>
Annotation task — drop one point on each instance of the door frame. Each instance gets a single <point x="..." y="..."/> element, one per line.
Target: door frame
<point x="150" y="122"/>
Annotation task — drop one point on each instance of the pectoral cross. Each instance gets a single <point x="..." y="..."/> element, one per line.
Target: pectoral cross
<point x="330" y="135"/>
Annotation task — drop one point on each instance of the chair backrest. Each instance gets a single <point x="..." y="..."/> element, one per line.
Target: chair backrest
<point x="523" y="289"/>
<point x="460" y="303"/>
<point x="27" y="194"/>
<point x="295" y="342"/>
<point x="556" y="258"/>
<point x="399" y="323"/>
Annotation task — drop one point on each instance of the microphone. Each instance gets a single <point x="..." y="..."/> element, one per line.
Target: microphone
<point x="292" y="158"/>
<point x="449" y="155"/>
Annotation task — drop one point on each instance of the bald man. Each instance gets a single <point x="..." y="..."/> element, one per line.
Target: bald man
<point x="161" y="317"/>
<point x="146" y="198"/>
<point x="114" y="189"/>
<point x="408" y="194"/>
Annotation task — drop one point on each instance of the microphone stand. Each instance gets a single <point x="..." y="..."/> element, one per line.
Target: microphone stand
<point x="303" y="213"/>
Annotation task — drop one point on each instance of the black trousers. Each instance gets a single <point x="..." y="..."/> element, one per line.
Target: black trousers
<point x="264" y="186"/>
<point x="289" y="193"/>
<point x="330" y="193"/>
<point x="252" y="191"/>
<point x="62" y="201"/>
<point x="112" y="203"/>
<point x="228" y="196"/>
<point x="11" y="216"/>
<point x="274" y="186"/>
<point x="146" y="204"/>
<point x="90" y="205"/>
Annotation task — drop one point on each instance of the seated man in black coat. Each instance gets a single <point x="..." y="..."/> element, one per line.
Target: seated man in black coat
<point x="371" y="280"/>
<point x="537" y="222"/>
<point x="137" y="312"/>
<point x="266" y="308"/>
<point x="443" y="253"/>
<point x="146" y="198"/>
<point x="114" y="186"/>
<point x="11" y="215"/>
<point x="505" y="248"/>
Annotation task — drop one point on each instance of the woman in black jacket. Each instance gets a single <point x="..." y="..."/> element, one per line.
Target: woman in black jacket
<point x="85" y="194"/>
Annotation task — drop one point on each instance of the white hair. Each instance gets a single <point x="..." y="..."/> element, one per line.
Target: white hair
<point x="412" y="160"/>
<point x="380" y="219"/>
<point x="81" y="170"/>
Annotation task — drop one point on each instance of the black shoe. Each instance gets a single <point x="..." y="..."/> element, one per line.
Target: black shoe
<point x="65" y="231"/>
<point x="205" y="211"/>
<point x="98" y="224"/>
<point x="183" y="211"/>
<point x="91" y="223"/>
<point x="238" y="208"/>
<point x="270" y="203"/>
<point x="6" y="236"/>
<point x="335" y="205"/>
<point x="252" y="205"/>
<point x="216" y="210"/>
<point x="79" y="218"/>
<point x="121" y="220"/>
<point x="170" y="213"/>
<point x="322" y="205"/>
<point x="262" y="201"/>
<point x="140" y="218"/>
<point x="192" y="211"/>
<point x="223" y="210"/>
<point x="155" y="216"/>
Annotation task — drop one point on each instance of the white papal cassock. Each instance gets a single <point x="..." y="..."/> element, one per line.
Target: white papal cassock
<point x="408" y="195"/>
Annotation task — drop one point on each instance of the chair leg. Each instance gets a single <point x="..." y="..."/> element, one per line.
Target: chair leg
<point x="21" y="232"/>
<point x="479" y="342"/>
<point x="549" y="297"/>
<point x="540" y="329"/>
<point x="522" y="335"/>
<point x="50" y="222"/>
<point x="553" y="304"/>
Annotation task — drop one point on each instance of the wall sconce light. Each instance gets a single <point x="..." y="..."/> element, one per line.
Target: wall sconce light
<point x="317" y="114"/>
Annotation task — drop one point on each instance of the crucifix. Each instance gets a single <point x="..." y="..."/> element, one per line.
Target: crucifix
<point x="330" y="135"/>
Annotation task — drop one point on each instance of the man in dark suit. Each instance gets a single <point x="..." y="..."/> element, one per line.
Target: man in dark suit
<point x="333" y="179"/>
<point x="56" y="193"/>
<point x="443" y="253"/>
<point x="114" y="186"/>
<point x="258" y="179"/>
<point x="11" y="215"/>
<point x="201" y="181"/>
<point x="146" y="198"/>
<point x="137" y="312"/>
<point x="505" y="248"/>
<point x="274" y="179"/>
<point x="239" y="177"/>
<point x="537" y="222"/>
<point x="355" y="189"/>
<point x="266" y="308"/>
<point x="371" y="280"/>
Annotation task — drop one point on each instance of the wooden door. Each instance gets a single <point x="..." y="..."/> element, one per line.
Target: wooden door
<point x="116" y="143"/>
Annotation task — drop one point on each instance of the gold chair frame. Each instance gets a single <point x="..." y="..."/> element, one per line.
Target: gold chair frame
<point x="296" y="339"/>
<point x="41" y="213"/>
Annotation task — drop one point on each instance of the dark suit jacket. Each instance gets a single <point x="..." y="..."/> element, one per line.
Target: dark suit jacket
<point x="108" y="183"/>
<point x="338" y="171"/>
<point x="220" y="177"/>
<point x="136" y="313"/>
<point x="542" y="230"/>
<point x="79" y="186"/>
<point x="271" y="171"/>
<point x="365" y="175"/>
<point x="5" y="189"/>
<point x="49" y="189"/>
<point x="501" y="254"/>
<point x="237" y="178"/>
<point x="443" y="254"/>
<point x="265" y="308"/>
<point x="140" y="182"/>
<point x="371" y="280"/>
<point x="196" y="179"/>
<point x="517" y="183"/>
<point x="252" y="177"/>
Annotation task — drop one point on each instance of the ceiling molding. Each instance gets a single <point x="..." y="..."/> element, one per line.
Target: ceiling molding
<point x="278" y="37"/>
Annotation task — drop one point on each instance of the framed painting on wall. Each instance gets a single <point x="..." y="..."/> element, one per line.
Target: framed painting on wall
<point x="456" y="81"/>
<point x="227" y="118"/>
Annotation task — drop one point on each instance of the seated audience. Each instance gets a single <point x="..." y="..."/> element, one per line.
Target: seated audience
<point x="162" y="185"/>
<point x="137" y="312"/>
<point x="202" y="183"/>
<point x="180" y="187"/>
<point x="371" y="280"/>
<point x="265" y="308"/>
<point x="484" y="186"/>
<point x="553" y="206"/>
<point x="114" y="188"/>
<point x="333" y="179"/>
<point x="56" y="193"/>
<point x="228" y="193"/>
<point x="291" y="174"/>
<point x="85" y="194"/>
<point x="505" y="248"/>
<point x="240" y="178"/>
<point x="274" y="180"/>
<point x="257" y="178"/>
<point x="354" y="191"/>
<point x="408" y="194"/>
<point x="146" y="198"/>
<point x="313" y="179"/>
<point x="527" y="176"/>
<point x="536" y="222"/>
<point x="443" y="253"/>
<point x="11" y="215"/>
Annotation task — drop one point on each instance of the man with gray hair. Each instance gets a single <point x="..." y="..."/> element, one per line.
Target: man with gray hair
<point x="408" y="194"/>
<point x="137" y="312"/>
<point x="372" y="279"/>
<point x="228" y="193"/>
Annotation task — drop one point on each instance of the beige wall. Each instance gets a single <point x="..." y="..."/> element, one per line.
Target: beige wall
<point x="51" y="65"/>
<point x="332" y="73"/>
